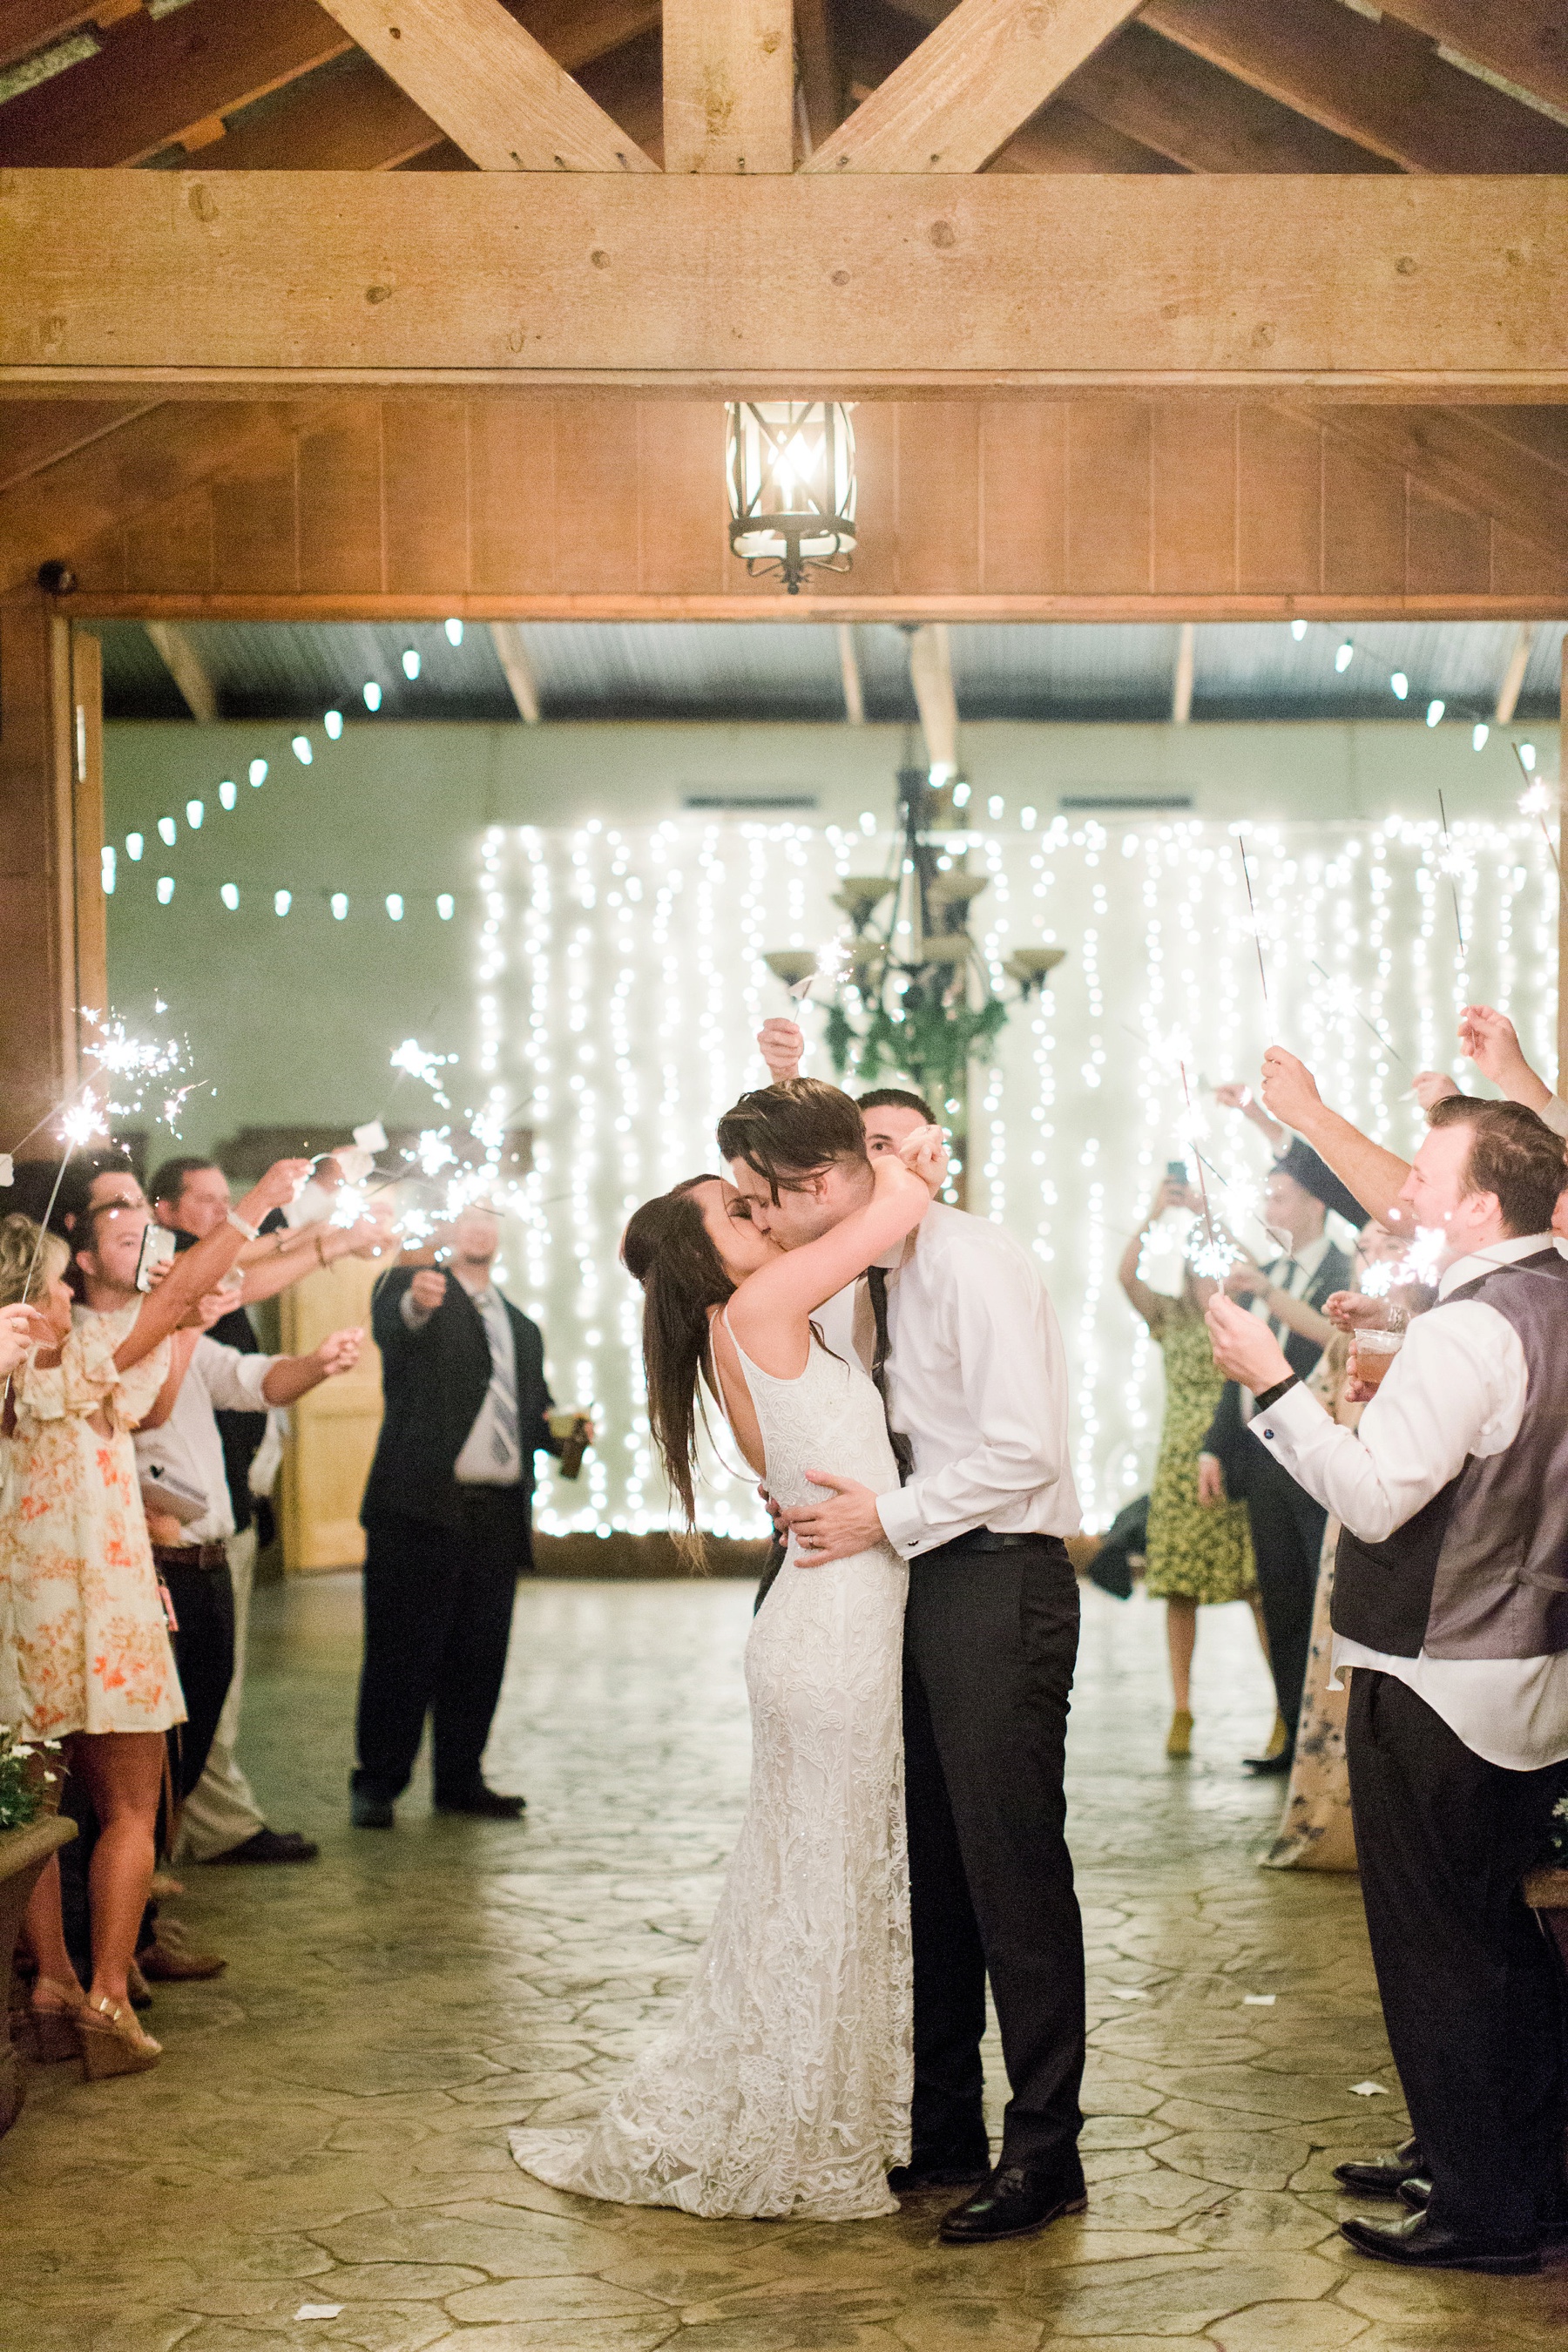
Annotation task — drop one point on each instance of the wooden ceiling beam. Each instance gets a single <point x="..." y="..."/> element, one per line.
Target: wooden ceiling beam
<point x="36" y="435"/>
<point x="1522" y="41"/>
<point x="172" y="643"/>
<point x="1455" y="453"/>
<point x="1188" y="110"/>
<point x="1365" y="286"/>
<point x="974" y="81"/>
<point x="492" y="88"/>
<point x="1377" y="83"/>
<point x="512" y="654"/>
<point x="155" y="78"/>
<point x="1514" y="674"/>
<point x="729" y="85"/>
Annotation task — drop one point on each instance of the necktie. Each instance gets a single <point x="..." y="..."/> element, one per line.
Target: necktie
<point x="904" y="1451"/>
<point x="1282" y="1275"/>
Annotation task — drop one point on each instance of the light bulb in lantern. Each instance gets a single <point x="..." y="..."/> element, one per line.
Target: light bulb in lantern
<point x="791" y="473"/>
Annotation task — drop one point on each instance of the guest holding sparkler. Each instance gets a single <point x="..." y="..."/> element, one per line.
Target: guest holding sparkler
<point x="87" y="1656"/>
<point x="1195" y="1555"/>
<point x="1287" y="1523"/>
<point x="1451" y="1607"/>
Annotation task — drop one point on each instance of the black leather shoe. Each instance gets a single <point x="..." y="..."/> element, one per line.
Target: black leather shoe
<point x="1383" y="2176"/>
<point x="368" y="1812"/>
<point x="939" y="2168"/>
<point x="1416" y="2193"/>
<point x="1418" y="2242"/>
<point x="1270" y="1767"/>
<point x="1015" y="2203"/>
<point x="486" y="1804"/>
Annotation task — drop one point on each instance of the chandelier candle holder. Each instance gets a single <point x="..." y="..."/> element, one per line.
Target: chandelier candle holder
<point x="912" y="995"/>
<point x="791" y="468"/>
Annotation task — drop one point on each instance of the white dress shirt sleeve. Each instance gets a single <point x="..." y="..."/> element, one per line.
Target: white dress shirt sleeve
<point x="1554" y="1111"/>
<point x="233" y="1380"/>
<point x="1456" y="1387"/>
<point x="1008" y="1340"/>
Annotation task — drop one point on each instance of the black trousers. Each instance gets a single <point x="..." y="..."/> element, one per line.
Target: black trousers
<point x="438" y="1615"/>
<point x="1287" y="1545"/>
<point x="204" y="1652"/>
<point x="1471" y="1984"/>
<point x="990" y="1643"/>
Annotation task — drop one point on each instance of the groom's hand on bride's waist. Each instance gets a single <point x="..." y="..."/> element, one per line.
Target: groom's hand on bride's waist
<point x="845" y="1521"/>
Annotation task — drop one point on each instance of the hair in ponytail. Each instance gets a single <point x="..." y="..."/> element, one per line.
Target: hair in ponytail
<point x="19" y="1240"/>
<point x="670" y="1251"/>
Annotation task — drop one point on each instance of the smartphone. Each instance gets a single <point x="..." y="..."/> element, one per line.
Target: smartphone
<point x="157" y="1249"/>
<point x="1176" y="1170"/>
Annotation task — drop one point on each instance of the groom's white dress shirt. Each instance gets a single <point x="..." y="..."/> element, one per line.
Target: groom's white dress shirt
<point x="976" y="1379"/>
<point x="1457" y="1388"/>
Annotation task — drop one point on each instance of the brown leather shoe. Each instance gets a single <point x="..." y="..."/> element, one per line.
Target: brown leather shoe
<point x="162" y="1963"/>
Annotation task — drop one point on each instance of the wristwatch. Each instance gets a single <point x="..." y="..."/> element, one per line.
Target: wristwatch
<point x="1271" y="1396"/>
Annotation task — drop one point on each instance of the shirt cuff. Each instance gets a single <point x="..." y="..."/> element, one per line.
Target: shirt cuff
<point x="1291" y="1417"/>
<point x="1555" y="1114"/>
<point x="899" y="1513"/>
<point x="250" y="1373"/>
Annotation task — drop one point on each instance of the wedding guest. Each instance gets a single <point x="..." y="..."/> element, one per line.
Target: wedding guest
<point x="1193" y="1556"/>
<point x="221" y="1820"/>
<point x="448" y="1516"/>
<point x="1287" y="1523"/>
<point x="87" y="1656"/>
<point x="1451" y="1610"/>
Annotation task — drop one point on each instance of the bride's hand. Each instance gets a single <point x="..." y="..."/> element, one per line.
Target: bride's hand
<point x="924" y="1154"/>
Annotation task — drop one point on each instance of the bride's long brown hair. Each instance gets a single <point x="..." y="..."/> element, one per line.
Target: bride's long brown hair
<point x="670" y="1251"/>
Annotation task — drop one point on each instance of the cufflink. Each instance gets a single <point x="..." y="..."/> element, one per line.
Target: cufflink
<point x="1269" y="1432"/>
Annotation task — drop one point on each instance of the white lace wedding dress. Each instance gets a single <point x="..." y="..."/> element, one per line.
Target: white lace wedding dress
<point x="781" y="2086"/>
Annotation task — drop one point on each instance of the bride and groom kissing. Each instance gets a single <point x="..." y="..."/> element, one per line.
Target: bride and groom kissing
<point x="892" y="1369"/>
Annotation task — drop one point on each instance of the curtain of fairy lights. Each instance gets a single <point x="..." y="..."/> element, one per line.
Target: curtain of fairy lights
<point x="619" y="984"/>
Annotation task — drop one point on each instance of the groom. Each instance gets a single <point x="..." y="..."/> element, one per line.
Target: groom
<point x="959" y="1336"/>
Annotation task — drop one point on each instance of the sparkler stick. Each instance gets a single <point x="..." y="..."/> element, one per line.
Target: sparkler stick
<point x="1203" y="1188"/>
<point x="1366" y="1018"/>
<point x="1281" y="1241"/>
<point x="1453" y="878"/>
<point x="1533" y="802"/>
<point x="1252" y="910"/>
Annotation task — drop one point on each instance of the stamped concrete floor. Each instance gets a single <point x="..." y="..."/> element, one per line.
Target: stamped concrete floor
<point x="328" y="2126"/>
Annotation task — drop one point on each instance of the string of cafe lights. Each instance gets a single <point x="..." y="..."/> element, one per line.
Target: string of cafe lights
<point x="150" y="844"/>
<point x="625" y="1019"/>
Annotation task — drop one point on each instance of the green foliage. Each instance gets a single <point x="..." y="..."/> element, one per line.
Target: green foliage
<point x="929" y="1042"/>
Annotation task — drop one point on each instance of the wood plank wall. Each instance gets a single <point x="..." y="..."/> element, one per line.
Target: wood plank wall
<point x="1104" y="503"/>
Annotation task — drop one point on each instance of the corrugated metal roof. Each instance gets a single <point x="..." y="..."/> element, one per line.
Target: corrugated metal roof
<point x="772" y="671"/>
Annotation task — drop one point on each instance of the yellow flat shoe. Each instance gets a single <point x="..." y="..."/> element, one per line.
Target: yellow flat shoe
<point x="1179" y="1738"/>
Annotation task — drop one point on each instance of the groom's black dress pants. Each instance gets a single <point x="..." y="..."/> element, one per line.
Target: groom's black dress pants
<point x="990" y="1643"/>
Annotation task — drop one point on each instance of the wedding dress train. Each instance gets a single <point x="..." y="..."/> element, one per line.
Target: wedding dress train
<point x="782" y="2086"/>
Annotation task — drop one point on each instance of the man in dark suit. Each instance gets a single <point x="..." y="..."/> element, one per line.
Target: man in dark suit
<point x="1287" y="1523"/>
<point x="448" y="1514"/>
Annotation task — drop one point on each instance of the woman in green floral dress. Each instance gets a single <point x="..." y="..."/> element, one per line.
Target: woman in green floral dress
<point x="1194" y="1555"/>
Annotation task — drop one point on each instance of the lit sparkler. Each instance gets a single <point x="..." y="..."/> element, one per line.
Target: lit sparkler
<point x="1352" y="1005"/>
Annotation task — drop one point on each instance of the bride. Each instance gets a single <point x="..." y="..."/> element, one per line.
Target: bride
<point x="782" y="2087"/>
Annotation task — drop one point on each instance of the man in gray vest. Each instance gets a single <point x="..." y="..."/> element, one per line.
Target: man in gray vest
<point x="1451" y="1605"/>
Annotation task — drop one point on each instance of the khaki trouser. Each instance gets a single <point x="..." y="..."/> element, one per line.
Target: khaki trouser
<point x="221" y="1810"/>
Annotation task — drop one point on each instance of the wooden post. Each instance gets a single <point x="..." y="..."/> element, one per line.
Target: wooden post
<point x="51" y="912"/>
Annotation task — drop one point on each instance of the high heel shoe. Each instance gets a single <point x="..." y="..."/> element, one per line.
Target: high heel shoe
<point x="52" y="2014"/>
<point x="1179" y="1738"/>
<point x="113" y="2042"/>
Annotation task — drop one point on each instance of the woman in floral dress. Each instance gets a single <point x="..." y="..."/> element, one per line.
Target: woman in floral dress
<point x="84" y="1646"/>
<point x="1194" y="1556"/>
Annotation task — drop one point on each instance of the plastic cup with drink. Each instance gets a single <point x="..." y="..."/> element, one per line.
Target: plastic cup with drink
<point x="570" y="1424"/>
<point x="1373" y="1350"/>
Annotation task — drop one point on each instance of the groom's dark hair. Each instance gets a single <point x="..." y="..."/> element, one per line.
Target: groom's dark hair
<point x="792" y="1132"/>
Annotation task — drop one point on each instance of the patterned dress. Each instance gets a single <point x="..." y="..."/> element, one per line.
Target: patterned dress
<point x="1192" y="1554"/>
<point x="83" y="1642"/>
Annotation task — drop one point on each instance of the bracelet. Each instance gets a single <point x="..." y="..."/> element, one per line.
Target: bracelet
<point x="1271" y="1397"/>
<point x="251" y="1233"/>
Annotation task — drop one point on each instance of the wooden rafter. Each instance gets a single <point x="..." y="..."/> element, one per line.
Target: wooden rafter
<point x="1377" y="83"/>
<point x="1184" y="108"/>
<point x="1524" y="41"/>
<point x="350" y="119"/>
<point x="176" y="651"/>
<point x="1062" y="138"/>
<point x="156" y="79"/>
<point x="1414" y="290"/>
<point x="492" y="88"/>
<point x="971" y="84"/>
<point x="27" y="25"/>
<point x="1457" y="453"/>
<point x="729" y="85"/>
<point x="821" y="71"/>
<point x="511" y="652"/>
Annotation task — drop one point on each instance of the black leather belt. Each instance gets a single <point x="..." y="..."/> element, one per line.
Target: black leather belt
<point x="207" y="1555"/>
<point x="980" y="1539"/>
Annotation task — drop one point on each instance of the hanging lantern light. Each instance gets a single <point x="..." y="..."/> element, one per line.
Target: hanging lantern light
<point x="790" y="465"/>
